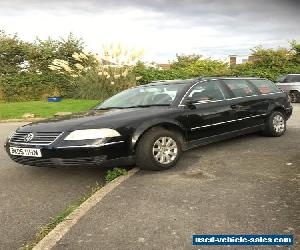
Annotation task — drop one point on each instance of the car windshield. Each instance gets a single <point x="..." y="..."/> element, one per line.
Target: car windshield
<point x="143" y="96"/>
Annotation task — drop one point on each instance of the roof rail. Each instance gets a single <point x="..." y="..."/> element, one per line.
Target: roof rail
<point x="159" y="81"/>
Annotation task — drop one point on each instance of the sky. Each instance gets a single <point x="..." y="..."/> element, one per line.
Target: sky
<point x="163" y="28"/>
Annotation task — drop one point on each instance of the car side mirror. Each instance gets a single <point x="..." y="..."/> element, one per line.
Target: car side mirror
<point x="189" y="101"/>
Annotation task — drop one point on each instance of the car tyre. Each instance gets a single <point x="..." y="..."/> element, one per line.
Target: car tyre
<point x="275" y="124"/>
<point x="158" y="149"/>
<point x="294" y="96"/>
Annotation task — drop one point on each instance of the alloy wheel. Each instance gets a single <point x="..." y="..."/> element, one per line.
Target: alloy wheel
<point x="165" y="150"/>
<point x="278" y="124"/>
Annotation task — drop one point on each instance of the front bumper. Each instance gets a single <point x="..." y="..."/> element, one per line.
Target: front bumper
<point x="107" y="155"/>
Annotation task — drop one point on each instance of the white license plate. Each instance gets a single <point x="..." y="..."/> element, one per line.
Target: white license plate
<point x="33" y="152"/>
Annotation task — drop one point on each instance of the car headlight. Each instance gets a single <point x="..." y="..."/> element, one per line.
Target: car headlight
<point x="87" y="134"/>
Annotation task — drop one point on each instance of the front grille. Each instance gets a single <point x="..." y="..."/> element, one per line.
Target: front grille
<point x="38" y="138"/>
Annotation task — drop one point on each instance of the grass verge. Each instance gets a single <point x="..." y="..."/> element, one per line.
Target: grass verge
<point x="15" y="110"/>
<point x="114" y="173"/>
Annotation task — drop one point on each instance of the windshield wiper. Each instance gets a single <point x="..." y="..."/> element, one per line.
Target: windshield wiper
<point x="106" y="108"/>
<point x="146" y="106"/>
<point x="135" y="106"/>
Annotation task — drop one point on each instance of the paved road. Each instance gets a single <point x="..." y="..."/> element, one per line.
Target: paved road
<point x="30" y="196"/>
<point x="244" y="185"/>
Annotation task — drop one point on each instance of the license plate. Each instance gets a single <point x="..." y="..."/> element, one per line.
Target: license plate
<point x="33" y="152"/>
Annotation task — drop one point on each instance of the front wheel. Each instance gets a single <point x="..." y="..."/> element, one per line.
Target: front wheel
<point x="275" y="124"/>
<point x="158" y="149"/>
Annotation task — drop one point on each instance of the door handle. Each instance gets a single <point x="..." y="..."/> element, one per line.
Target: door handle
<point x="236" y="106"/>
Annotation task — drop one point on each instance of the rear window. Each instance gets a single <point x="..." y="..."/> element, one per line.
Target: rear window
<point x="265" y="86"/>
<point x="240" y="88"/>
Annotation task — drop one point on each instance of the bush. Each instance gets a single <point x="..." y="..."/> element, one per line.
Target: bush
<point x="98" y="78"/>
<point x="185" y="67"/>
<point x="152" y="74"/>
<point x="269" y="63"/>
<point x="30" y="86"/>
<point x="93" y="86"/>
<point x="34" y="71"/>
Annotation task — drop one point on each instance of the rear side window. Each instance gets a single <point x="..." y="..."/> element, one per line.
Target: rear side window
<point x="240" y="88"/>
<point x="265" y="86"/>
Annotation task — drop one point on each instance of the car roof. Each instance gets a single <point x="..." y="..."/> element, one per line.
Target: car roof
<point x="233" y="78"/>
<point x="177" y="81"/>
<point x="186" y="81"/>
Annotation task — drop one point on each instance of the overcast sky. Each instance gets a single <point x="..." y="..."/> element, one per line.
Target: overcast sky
<point x="163" y="28"/>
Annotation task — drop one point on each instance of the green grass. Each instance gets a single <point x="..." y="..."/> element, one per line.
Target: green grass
<point x="114" y="173"/>
<point x="11" y="110"/>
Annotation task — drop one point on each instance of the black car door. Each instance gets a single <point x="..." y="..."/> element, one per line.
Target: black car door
<point x="212" y="114"/>
<point x="249" y="105"/>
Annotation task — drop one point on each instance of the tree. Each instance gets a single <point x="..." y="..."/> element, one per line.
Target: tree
<point x="195" y="65"/>
<point x="183" y="61"/>
<point x="67" y="47"/>
<point x="43" y="52"/>
<point x="13" y="53"/>
<point x="25" y="66"/>
<point x="270" y="63"/>
<point x="100" y="76"/>
<point x="296" y="49"/>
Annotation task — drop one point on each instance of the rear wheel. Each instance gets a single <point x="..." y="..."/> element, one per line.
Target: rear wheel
<point x="275" y="124"/>
<point x="158" y="149"/>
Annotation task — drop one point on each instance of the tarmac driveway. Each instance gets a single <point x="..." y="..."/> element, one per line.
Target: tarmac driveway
<point x="244" y="185"/>
<point x="30" y="196"/>
<point x="247" y="185"/>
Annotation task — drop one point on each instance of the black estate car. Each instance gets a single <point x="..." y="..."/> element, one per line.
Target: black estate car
<point x="151" y="125"/>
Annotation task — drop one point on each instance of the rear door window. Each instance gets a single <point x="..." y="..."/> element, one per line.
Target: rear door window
<point x="265" y="86"/>
<point x="209" y="91"/>
<point x="240" y="87"/>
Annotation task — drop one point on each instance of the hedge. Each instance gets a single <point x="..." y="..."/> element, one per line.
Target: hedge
<point x="31" y="86"/>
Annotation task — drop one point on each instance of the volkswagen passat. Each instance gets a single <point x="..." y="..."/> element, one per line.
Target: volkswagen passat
<point x="152" y="125"/>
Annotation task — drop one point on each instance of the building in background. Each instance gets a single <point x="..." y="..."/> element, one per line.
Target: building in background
<point x="164" y="66"/>
<point x="239" y="59"/>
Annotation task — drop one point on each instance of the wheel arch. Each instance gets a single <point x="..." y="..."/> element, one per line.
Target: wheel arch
<point x="169" y="125"/>
<point x="277" y="107"/>
<point x="280" y="109"/>
<point x="294" y="90"/>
